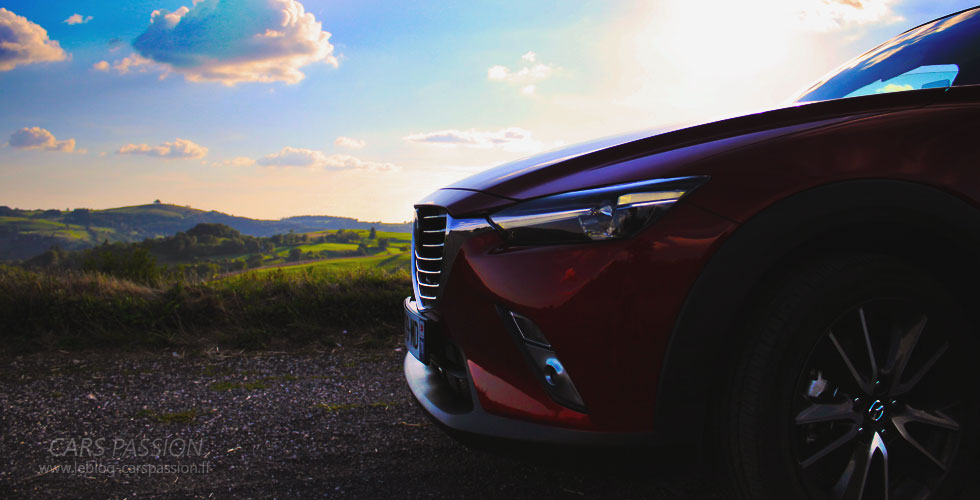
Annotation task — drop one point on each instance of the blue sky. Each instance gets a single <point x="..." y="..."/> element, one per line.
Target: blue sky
<point x="248" y="107"/>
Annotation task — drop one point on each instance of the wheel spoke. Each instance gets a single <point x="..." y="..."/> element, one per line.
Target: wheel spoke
<point x="908" y="385"/>
<point x="867" y="343"/>
<point x="934" y="419"/>
<point x="854" y="479"/>
<point x="833" y="446"/>
<point x="828" y="413"/>
<point x="903" y="347"/>
<point x="863" y="384"/>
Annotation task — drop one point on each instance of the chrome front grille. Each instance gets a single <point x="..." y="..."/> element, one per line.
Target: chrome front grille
<point x="429" y="241"/>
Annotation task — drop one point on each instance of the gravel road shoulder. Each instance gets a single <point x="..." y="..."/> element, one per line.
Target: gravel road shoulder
<point x="267" y="425"/>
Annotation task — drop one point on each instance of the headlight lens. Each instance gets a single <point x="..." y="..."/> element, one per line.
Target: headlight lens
<point x="606" y="213"/>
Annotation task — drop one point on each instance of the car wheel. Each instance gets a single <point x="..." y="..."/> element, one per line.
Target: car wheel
<point x="853" y="384"/>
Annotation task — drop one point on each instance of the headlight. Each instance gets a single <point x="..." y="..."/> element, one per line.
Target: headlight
<point x="606" y="213"/>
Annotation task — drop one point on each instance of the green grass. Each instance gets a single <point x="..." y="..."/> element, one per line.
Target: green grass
<point x="328" y="246"/>
<point x="181" y="417"/>
<point x="331" y="407"/>
<point x="59" y="230"/>
<point x="252" y="310"/>
<point x="364" y="233"/>
<point x="163" y="210"/>
<point x="391" y="259"/>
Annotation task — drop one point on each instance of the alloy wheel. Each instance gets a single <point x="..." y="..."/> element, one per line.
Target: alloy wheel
<point x="879" y="408"/>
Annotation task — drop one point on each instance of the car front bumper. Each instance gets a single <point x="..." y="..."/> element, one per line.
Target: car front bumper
<point x="442" y="404"/>
<point x="608" y="310"/>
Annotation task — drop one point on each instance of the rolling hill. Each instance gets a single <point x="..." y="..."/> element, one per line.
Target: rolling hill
<point x="26" y="233"/>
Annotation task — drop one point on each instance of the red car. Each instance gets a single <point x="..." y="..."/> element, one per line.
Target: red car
<point x="789" y="290"/>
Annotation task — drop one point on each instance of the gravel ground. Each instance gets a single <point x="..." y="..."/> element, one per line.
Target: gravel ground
<point x="271" y="425"/>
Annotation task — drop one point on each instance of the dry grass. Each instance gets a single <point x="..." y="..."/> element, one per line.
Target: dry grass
<point x="80" y="310"/>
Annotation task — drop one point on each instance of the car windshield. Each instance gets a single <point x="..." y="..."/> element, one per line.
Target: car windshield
<point x="937" y="54"/>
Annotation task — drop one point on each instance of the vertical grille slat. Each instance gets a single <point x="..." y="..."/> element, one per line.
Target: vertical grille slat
<point x="430" y="239"/>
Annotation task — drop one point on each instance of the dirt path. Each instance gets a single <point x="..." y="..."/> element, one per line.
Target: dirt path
<point x="270" y="425"/>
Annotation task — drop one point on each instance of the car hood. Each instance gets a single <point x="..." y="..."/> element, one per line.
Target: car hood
<point x="645" y="155"/>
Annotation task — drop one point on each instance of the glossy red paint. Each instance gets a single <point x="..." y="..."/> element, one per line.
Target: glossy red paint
<point x="629" y="318"/>
<point x="759" y="159"/>
<point x="887" y="145"/>
<point x="577" y="296"/>
<point x="499" y="397"/>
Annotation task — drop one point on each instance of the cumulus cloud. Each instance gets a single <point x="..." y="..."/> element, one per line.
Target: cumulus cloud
<point x="101" y="66"/>
<point x="40" y="139"/>
<point x="311" y="158"/>
<point x="136" y="62"/>
<point x="235" y="42"/>
<point x="350" y="143"/>
<point x="526" y="76"/>
<point x="77" y="19"/>
<point x="179" y="149"/>
<point x="472" y="137"/>
<point x="530" y="72"/>
<point x="23" y="42"/>
<point x="512" y="139"/>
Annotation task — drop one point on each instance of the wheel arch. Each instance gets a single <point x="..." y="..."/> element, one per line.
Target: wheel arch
<point x="919" y="223"/>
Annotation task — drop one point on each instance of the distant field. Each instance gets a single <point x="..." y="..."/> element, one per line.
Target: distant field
<point x="393" y="236"/>
<point x="25" y="234"/>
<point x="391" y="259"/>
<point x="396" y="242"/>
<point x="318" y="247"/>
<point x="25" y="225"/>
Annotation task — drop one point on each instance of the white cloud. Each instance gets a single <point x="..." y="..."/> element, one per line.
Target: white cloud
<point x="471" y="137"/>
<point x="101" y="66"/>
<point x="235" y="42"/>
<point x="23" y="42"/>
<point x="40" y="139"/>
<point x="77" y="19"/>
<point x="311" y="158"/>
<point x="138" y="63"/>
<point x="350" y="143"/>
<point x="526" y="76"/>
<point x="512" y="139"/>
<point x="179" y="149"/>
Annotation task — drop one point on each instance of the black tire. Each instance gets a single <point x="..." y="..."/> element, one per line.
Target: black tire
<point x="805" y="407"/>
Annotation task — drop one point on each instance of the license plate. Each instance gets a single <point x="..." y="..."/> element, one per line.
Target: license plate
<point x="415" y="329"/>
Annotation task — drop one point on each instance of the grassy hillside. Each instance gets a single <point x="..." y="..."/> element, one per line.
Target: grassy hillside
<point x="26" y="233"/>
<point x="207" y="251"/>
<point x="391" y="260"/>
<point x="192" y="288"/>
<point x="42" y="311"/>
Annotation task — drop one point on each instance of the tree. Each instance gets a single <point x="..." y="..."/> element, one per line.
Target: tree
<point x="295" y="254"/>
<point x="373" y="234"/>
<point x="156" y="202"/>
<point x="79" y="216"/>
<point x="383" y="243"/>
<point x="132" y="263"/>
<point x="213" y="229"/>
<point x="254" y="260"/>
